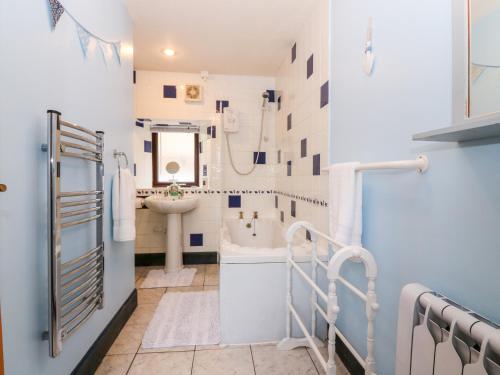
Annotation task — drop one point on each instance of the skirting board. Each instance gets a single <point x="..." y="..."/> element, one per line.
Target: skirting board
<point x="350" y="362"/>
<point x="158" y="259"/>
<point x="92" y="359"/>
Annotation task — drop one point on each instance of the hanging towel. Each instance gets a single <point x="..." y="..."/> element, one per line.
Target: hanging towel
<point x="123" y="206"/>
<point x="346" y="198"/>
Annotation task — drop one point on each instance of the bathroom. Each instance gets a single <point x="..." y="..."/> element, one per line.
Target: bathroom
<point x="279" y="121"/>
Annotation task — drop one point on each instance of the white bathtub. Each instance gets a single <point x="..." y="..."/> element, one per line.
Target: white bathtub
<point x="239" y="245"/>
<point x="253" y="282"/>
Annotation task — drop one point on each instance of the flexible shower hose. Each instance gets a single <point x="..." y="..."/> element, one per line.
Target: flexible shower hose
<point x="258" y="148"/>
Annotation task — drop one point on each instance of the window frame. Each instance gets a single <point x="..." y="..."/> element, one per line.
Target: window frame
<point x="156" y="154"/>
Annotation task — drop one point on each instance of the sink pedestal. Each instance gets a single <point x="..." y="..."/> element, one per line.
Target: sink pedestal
<point x="173" y="255"/>
<point x="173" y="208"/>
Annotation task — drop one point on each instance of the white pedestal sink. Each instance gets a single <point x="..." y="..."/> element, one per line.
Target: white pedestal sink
<point x="173" y="208"/>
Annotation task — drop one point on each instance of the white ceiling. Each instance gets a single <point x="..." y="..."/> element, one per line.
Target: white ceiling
<point x="249" y="37"/>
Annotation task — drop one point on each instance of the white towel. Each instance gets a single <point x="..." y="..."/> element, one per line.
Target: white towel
<point x="346" y="199"/>
<point x="123" y="206"/>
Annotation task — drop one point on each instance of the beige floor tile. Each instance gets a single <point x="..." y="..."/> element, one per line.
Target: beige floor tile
<point x="138" y="282"/>
<point x="230" y="361"/>
<point x="142" y="315"/>
<point x="269" y="360"/>
<point x="212" y="269"/>
<point x="115" y="364"/>
<point x="139" y="272"/>
<point x="211" y="287"/>
<point x="129" y="340"/>
<point x="219" y="346"/>
<point x="185" y="289"/>
<point x="166" y="350"/>
<point x="341" y="370"/>
<point x="172" y="363"/>
<point x="199" y="277"/>
<point x="212" y="279"/>
<point x="150" y="295"/>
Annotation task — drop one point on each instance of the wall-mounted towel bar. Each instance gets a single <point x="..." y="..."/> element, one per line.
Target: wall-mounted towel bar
<point x="75" y="286"/>
<point x="420" y="164"/>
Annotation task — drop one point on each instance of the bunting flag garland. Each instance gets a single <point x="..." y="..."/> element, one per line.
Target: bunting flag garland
<point x="56" y="11"/>
<point x="107" y="48"/>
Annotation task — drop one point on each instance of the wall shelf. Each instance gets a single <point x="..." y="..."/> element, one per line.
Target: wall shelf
<point x="481" y="128"/>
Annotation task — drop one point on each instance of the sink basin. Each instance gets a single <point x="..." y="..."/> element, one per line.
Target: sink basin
<point x="167" y="205"/>
<point x="173" y="208"/>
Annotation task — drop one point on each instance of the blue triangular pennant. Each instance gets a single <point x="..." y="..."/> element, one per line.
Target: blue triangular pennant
<point x="84" y="37"/>
<point x="56" y="11"/>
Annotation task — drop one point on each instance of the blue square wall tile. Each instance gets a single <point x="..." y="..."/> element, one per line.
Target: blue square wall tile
<point x="259" y="157"/>
<point x="289" y="168"/>
<point x="316" y="165"/>
<point x="147" y="146"/>
<point x="272" y="96"/>
<point x="310" y="66"/>
<point x="169" y="92"/>
<point x="196" y="239"/>
<point x="294" y="52"/>
<point x="289" y="122"/>
<point x="293" y="208"/>
<point x="234" y="201"/>
<point x="220" y="105"/>
<point x="303" y="148"/>
<point x="324" y="95"/>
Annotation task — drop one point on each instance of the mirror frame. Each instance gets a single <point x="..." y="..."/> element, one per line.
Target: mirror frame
<point x="461" y="28"/>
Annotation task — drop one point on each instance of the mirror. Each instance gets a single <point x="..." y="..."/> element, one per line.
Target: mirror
<point x="484" y="58"/>
<point x="172" y="167"/>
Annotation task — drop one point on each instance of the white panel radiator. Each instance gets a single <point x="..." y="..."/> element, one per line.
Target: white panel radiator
<point x="436" y="336"/>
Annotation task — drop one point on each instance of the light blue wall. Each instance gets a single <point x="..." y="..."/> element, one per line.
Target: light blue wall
<point x="441" y="228"/>
<point x="40" y="69"/>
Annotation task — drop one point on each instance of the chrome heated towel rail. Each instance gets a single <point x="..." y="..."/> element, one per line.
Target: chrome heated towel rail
<point x="76" y="286"/>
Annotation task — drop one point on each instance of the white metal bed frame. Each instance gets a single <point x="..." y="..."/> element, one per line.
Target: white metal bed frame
<point x="342" y="254"/>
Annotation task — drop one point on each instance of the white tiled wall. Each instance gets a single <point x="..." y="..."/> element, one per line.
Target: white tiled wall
<point x="300" y="96"/>
<point x="244" y="94"/>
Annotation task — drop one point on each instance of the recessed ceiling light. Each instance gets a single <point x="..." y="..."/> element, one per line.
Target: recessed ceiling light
<point x="169" y="52"/>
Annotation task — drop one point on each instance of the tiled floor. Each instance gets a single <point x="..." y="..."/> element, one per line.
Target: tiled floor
<point x="126" y="357"/>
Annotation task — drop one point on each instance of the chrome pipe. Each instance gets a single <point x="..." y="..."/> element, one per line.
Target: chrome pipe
<point x="87" y="274"/>
<point x="84" y="286"/>
<point x="80" y="203"/>
<point x="78" y="222"/>
<point x="85" y="269"/>
<point x="78" y="127"/>
<point x="69" y="332"/>
<point x="71" y="263"/>
<point x="54" y="232"/>
<point x="79" y="193"/>
<point x="77" y="318"/>
<point x="78" y="146"/>
<point x="99" y="177"/>
<point x="77" y="309"/>
<point x="71" y="304"/>
<point x="78" y="137"/>
<point x="80" y="156"/>
<point x="82" y="267"/>
<point x="80" y="212"/>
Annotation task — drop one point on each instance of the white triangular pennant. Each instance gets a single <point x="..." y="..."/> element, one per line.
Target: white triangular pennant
<point x="117" y="49"/>
<point x="84" y="37"/>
